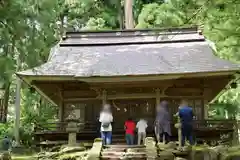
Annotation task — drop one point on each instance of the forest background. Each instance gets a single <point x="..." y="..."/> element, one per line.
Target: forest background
<point x="30" y="28"/>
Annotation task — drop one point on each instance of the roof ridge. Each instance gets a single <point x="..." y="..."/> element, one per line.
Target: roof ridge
<point x="132" y="32"/>
<point x="131" y="43"/>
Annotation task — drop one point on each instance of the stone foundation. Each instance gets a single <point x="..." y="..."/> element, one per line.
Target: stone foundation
<point x="72" y="139"/>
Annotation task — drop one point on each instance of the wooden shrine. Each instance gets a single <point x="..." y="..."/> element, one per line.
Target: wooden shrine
<point x="132" y="70"/>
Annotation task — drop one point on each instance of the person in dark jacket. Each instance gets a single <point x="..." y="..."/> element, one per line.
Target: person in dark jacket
<point x="186" y="115"/>
<point x="163" y="121"/>
<point x="6" y="143"/>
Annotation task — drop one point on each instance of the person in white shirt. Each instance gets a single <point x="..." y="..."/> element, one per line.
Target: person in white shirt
<point x="141" y="126"/>
<point x="106" y="119"/>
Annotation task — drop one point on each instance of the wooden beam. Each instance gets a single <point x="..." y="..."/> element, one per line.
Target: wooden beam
<point x="129" y="96"/>
<point x="72" y="85"/>
<point x="223" y="90"/>
<point x="77" y="93"/>
<point x="93" y="93"/>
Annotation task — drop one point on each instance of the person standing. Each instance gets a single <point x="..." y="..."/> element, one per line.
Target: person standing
<point x="163" y="127"/>
<point x="186" y="116"/>
<point x="130" y="129"/>
<point x="141" y="126"/>
<point x="6" y="144"/>
<point x="106" y="119"/>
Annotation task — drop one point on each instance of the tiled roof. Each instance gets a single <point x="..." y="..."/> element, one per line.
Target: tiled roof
<point x="131" y="53"/>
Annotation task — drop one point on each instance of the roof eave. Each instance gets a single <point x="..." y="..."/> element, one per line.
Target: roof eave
<point x="127" y="77"/>
<point x="28" y="82"/>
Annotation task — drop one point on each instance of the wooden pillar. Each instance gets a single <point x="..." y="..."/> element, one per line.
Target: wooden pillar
<point x="61" y="110"/>
<point x="206" y="94"/>
<point x="157" y="103"/>
<point x="205" y="109"/>
<point x="104" y="97"/>
<point x="17" y="111"/>
<point x="157" y="96"/>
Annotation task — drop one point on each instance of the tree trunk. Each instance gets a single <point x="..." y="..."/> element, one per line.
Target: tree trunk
<point x="5" y="102"/>
<point x="128" y="7"/>
<point x="17" y="111"/>
<point x="120" y="15"/>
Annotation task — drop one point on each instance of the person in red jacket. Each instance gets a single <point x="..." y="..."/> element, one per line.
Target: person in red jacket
<point x="130" y="129"/>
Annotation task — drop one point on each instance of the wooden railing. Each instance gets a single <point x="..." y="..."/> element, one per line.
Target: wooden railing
<point x="95" y="126"/>
<point x="214" y="124"/>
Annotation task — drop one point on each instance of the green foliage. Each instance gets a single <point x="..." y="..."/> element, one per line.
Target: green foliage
<point x="95" y="24"/>
<point x="6" y="130"/>
<point x="221" y="26"/>
<point x="223" y="110"/>
<point x="158" y="16"/>
<point x="27" y="29"/>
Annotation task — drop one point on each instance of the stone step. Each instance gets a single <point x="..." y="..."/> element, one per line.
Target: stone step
<point x="112" y="153"/>
<point x="133" y="152"/>
<point x="124" y="146"/>
<point x="114" y="150"/>
<point x="136" y="150"/>
<point x="136" y="154"/>
<point x="122" y="158"/>
<point x="124" y="150"/>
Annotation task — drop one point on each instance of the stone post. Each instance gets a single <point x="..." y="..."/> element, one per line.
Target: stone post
<point x="178" y="126"/>
<point x="235" y="136"/>
<point x="72" y="129"/>
<point x="151" y="149"/>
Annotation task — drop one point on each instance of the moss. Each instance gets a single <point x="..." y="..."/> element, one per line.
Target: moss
<point x="73" y="156"/>
<point x="199" y="148"/>
<point x="231" y="155"/>
<point x="24" y="157"/>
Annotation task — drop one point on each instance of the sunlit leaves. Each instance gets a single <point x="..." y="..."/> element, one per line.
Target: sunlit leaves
<point x="95" y="24"/>
<point x="155" y="15"/>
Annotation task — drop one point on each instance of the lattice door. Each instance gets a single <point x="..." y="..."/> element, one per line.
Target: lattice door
<point x="136" y="109"/>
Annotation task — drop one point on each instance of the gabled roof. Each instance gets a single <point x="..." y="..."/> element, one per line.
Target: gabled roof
<point x="136" y="52"/>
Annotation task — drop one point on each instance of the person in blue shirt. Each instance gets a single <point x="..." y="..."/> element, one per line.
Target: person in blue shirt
<point x="186" y="116"/>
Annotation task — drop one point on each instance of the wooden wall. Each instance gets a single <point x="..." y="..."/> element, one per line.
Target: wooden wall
<point x="88" y="111"/>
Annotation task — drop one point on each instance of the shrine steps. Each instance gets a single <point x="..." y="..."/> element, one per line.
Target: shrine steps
<point x="117" y="152"/>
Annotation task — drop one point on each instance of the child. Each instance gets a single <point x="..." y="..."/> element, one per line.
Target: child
<point x="130" y="128"/>
<point x="141" y="126"/>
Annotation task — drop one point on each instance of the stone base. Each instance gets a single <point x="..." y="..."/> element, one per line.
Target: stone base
<point x="72" y="139"/>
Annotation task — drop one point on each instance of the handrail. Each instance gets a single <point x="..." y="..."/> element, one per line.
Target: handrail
<point x="93" y="125"/>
